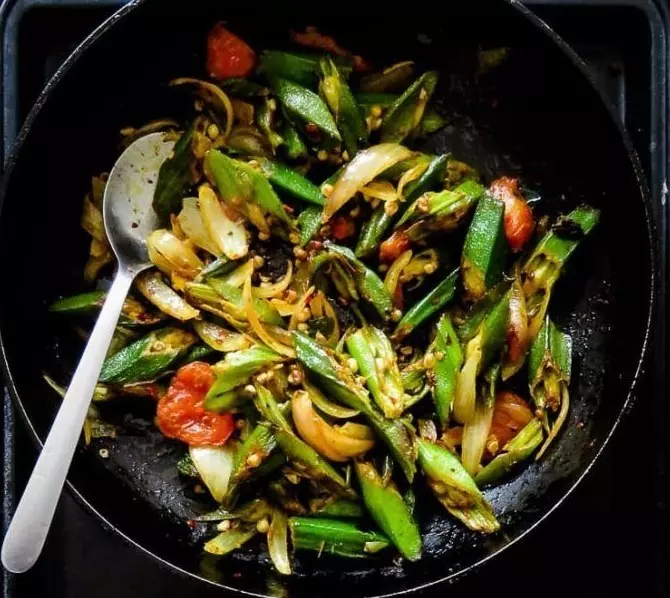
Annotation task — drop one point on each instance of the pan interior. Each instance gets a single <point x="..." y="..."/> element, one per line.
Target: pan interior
<point x="535" y="116"/>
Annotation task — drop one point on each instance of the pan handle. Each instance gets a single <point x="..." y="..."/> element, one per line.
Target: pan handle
<point x="31" y="522"/>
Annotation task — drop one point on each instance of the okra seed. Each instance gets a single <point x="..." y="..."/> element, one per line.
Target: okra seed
<point x="374" y="203"/>
<point x="299" y="253"/>
<point x="439" y="355"/>
<point x="254" y="460"/>
<point x="429" y="360"/>
<point x="294" y="238"/>
<point x="304" y="315"/>
<point x="302" y="327"/>
<point x="345" y="155"/>
<point x="104" y="453"/>
<point x="320" y="337"/>
<point x="213" y="131"/>
<point x="407" y="350"/>
<point x="429" y="268"/>
<point x="360" y="380"/>
<point x="198" y="489"/>
<point x="324" y="231"/>
<point x="240" y="423"/>
<point x="390" y="208"/>
<point x="352" y="364"/>
<point x="295" y="377"/>
<point x="290" y="296"/>
<point x="272" y="104"/>
<point x="383" y="267"/>
<point x="423" y="94"/>
<point x="422" y="205"/>
<point x="259" y="262"/>
<point x="263" y="526"/>
<point x="157" y="347"/>
<point x="223" y="526"/>
<point x="356" y="212"/>
<point x="396" y="316"/>
<point x="249" y="390"/>
<point x="263" y="236"/>
<point x="376" y="111"/>
<point x="322" y="155"/>
<point x="380" y="364"/>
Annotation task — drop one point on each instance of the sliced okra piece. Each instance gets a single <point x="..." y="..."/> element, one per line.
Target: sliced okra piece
<point x="295" y="66"/>
<point x="293" y="143"/>
<point x="291" y="182"/>
<point x="309" y="223"/>
<point x="266" y="118"/>
<point x="448" y="359"/>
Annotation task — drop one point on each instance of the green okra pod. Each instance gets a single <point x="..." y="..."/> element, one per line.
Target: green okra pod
<point x="455" y="489"/>
<point x="549" y="370"/>
<point x="343" y="105"/>
<point x="448" y="360"/>
<point x="368" y="284"/>
<point x="305" y="107"/>
<point x="388" y="509"/>
<point x="404" y="116"/>
<point x="341" y="384"/>
<point x="520" y="448"/>
<point x="545" y="264"/>
<point x="433" y="302"/>
<point x="308" y="462"/>
<point x="294" y="145"/>
<point x="337" y="508"/>
<point x="266" y="122"/>
<point x="291" y="182"/>
<point x="175" y="177"/>
<point x="133" y="313"/>
<point x="243" y="88"/>
<point x="224" y="401"/>
<point x="148" y="357"/>
<point x="333" y="536"/>
<point x="485" y="249"/>
<point x="377" y="363"/>
<point x="440" y="211"/>
<point x="309" y="223"/>
<point x="251" y="456"/>
<point x="299" y="67"/>
<point x="238" y="366"/>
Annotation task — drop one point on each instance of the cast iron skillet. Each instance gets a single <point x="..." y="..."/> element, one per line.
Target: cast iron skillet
<point x="537" y="115"/>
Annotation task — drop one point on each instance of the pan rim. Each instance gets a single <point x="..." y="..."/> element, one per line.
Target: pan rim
<point x="631" y="396"/>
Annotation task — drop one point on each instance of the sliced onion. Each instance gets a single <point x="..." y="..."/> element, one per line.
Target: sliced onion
<point x="278" y="542"/>
<point x="466" y="387"/>
<point x="518" y="337"/>
<point x="171" y="255"/>
<point x="191" y="224"/>
<point x="214" y="464"/>
<point x="220" y="339"/>
<point x="229" y="234"/>
<point x="327" y="441"/>
<point x="326" y="406"/>
<point x="243" y="111"/>
<point x="408" y="176"/>
<point x="275" y="343"/>
<point x="284" y="308"/>
<point x="269" y="291"/>
<point x="151" y="285"/>
<point x="365" y="167"/>
<point x="354" y="430"/>
<point x="382" y="190"/>
<point x="215" y="97"/>
<point x="558" y="424"/>
<point x="230" y="540"/>
<point x="475" y="435"/>
<point x="239" y="275"/>
<point x="393" y="275"/>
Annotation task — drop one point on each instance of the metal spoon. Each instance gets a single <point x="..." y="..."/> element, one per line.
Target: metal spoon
<point x="129" y="218"/>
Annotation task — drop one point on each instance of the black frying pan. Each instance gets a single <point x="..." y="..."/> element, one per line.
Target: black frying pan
<point x="537" y="115"/>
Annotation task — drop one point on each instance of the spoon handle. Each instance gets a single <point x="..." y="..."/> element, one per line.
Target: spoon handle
<point x="32" y="519"/>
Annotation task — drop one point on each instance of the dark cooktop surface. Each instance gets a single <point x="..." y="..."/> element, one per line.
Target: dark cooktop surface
<point x="608" y="538"/>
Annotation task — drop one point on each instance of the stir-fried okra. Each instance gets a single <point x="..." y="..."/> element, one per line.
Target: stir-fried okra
<point x="335" y="316"/>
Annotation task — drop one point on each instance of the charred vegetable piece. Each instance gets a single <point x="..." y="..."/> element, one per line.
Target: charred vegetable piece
<point x="520" y="448"/>
<point x="448" y="360"/>
<point x="389" y="511"/>
<point x="377" y="363"/>
<point x="332" y="536"/>
<point x="549" y="369"/>
<point x="308" y="462"/>
<point x="433" y="302"/>
<point x="518" y="340"/>
<point x="380" y="221"/>
<point x="368" y="284"/>
<point x="404" y="116"/>
<point x="455" y="489"/>
<point x="237" y="367"/>
<point x="439" y="211"/>
<point x="305" y="107"/>
<point x="175" y="177"/>
<point x="291" y="182"/>
<point x="339" y="382"/>
<point x="485" y="249"/>
<point x="343" y="105"/>
<point x="545" y="264"/>
<point x="147" y="358"/>
<point x="298" y="67"/>
<point x="309" y="223"/>
<point x="133" y="313"/>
